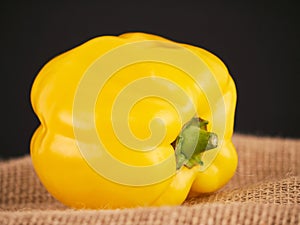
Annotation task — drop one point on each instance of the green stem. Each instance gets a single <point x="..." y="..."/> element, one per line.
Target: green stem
<point x="193" y="140"/>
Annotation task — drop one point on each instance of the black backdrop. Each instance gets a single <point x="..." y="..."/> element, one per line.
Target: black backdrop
<point x="259" y="42"/>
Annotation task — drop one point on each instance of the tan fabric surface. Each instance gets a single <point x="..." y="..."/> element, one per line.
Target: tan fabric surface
<point x="264" y="190"/>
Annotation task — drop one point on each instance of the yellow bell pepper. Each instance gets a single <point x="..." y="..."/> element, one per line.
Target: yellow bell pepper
<point x="191" y="156"/>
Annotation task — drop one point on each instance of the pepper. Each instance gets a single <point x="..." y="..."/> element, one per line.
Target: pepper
<point x="69" y="173"/>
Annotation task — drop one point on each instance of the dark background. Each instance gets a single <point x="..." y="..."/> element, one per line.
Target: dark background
<point x="259" y="42"/>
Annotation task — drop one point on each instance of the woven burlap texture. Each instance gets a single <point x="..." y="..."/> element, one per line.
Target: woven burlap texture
<point x="264" y="190"/>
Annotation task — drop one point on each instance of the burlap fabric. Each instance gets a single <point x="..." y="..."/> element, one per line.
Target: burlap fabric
<point x="264" y="190"/>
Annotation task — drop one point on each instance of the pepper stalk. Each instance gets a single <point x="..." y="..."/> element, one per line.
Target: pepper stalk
<point x="193" y="140"/>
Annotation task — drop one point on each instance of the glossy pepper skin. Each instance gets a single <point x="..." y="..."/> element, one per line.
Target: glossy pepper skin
<point x="59" y="163"/>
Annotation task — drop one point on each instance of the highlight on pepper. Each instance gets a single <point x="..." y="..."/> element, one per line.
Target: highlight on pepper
<point x="133" y="120"/>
